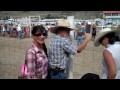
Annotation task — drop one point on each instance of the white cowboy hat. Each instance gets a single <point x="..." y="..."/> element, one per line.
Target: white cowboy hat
<point x="101" y="34"/>
<point x="61" y="23"/>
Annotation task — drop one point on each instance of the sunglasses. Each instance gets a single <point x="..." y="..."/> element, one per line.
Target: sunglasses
<point x="44" y="34"/>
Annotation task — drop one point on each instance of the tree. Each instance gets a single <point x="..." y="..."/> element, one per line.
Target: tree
<point x="49" y="16"/>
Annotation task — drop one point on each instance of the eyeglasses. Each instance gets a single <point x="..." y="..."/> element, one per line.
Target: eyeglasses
<point x="44" y="34"/>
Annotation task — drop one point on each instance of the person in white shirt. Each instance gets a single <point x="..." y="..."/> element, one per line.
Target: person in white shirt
<point x="111" y="53"/>
<point x="3" y="30"/>
<point x="19" y="30"/>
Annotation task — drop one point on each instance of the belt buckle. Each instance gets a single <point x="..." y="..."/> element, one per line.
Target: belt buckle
<point x="60" y="69"/>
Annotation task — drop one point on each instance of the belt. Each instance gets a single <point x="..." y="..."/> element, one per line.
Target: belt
<point x="57" y="69"/>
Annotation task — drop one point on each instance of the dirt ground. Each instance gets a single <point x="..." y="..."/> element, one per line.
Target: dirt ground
<point x="12" y="53"/>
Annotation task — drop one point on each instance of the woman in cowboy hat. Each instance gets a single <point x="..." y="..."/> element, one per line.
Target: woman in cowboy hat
<point x="111" y="53"/>
<point x="60" y="49"/>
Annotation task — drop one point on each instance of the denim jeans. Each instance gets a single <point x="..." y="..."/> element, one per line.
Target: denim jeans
<point x="79" y="40"/>
<point x="57" y="74"/>
<point x="19" y="34"/>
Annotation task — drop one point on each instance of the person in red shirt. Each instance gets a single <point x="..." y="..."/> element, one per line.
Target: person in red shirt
<point x="36" y="56"/>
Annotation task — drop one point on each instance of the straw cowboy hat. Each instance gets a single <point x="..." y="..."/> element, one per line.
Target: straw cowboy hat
<point x="61" y="23"/>
<point x="102" y="33"/>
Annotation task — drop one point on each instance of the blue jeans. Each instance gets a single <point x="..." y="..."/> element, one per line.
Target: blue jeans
<point x="20" y="34"/>
<point x="57" y="74"/>
<point x="79" y="40"/>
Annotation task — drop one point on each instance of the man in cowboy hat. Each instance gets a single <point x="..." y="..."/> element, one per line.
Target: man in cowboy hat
<point x="60" y="49"/>
<point x="111" y="53"/>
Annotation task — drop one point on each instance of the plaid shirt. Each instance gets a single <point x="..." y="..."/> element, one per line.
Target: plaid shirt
<point x="59" y="52"/>
<point x="42" y="63"/>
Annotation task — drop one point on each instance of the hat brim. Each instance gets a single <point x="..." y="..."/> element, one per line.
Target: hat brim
<point x="97" y="39"/>
<point x="55" y="29"/>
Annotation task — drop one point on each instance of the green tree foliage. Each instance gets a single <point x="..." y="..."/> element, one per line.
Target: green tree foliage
<point x="49" y="16"/>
